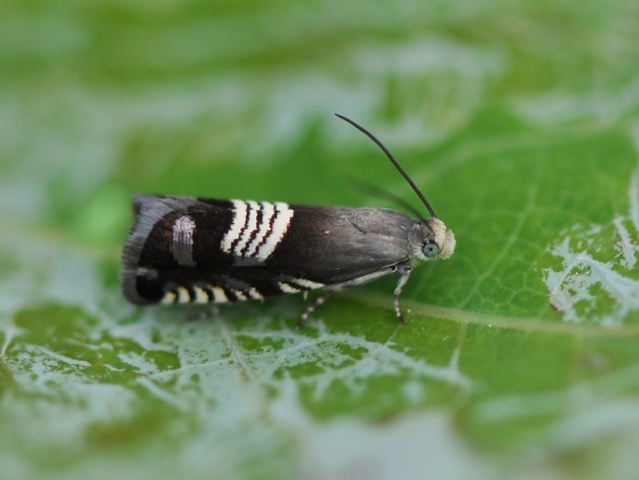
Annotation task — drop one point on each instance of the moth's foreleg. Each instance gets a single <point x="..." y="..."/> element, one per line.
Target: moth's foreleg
<point x="404" y="271"/>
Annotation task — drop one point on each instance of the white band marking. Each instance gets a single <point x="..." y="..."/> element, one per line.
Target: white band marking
<point x="168" y="298"/>
<point x="268" y="210"/>
<point x="283" y="216"/>
<point x="246" y="238"/>
<point x="239" y="219"/>
<point x="302" y="282"/>
<point x="182" y="295"/>
<point x="200" y="295"/>
<point x="249" y="228"/>
<point x="286" y="288"/>
<point x="239" y="294"/>
<point x="219" y="295"/>
<point x="254" y="294"/>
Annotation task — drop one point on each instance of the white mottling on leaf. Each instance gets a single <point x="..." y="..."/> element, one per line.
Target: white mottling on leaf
<point x="627" y="249"/>
<point x="346" y="448"/>
<point x="10" y="333"/>
<point x="634" y="200"/>
<point x="62" y="359"/>
<point x="337" y="358"/>
<point x="596" y="281"/>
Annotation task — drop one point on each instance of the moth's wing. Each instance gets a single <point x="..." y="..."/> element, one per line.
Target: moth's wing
<point x="183" y="249"/>
<point x="151" y="238"/>
<point x="161" y="251"/>
<point x="335" y="245"/>
<point x="193" y="250"/>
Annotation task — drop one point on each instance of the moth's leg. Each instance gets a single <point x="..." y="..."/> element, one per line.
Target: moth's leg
<point x="404" y="271"/>
<point x="311" y="308"/>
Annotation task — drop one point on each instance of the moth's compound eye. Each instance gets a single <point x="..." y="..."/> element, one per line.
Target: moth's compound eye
<point x="430" y="249"/>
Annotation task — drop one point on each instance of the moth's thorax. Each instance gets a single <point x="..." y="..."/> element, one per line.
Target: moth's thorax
<point x="434" y="231"/>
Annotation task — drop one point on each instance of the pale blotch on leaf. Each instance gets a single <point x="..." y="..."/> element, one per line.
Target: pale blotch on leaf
<point x="598" y="281"/>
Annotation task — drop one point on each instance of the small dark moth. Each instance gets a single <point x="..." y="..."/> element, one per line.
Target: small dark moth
<point x="197" y="250"/>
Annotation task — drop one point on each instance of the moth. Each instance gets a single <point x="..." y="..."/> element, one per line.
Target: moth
<point x="185" y="250"/>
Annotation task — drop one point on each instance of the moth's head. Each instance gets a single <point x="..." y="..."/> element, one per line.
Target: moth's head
<point x="431" y="240"/>
<point x="428" y="239"/>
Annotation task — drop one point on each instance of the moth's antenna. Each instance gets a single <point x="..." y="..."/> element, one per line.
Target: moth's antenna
<point x="392" y="159"/>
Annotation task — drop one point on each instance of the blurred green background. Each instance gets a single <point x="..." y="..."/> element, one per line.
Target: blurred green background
<point x="519" y="121"/>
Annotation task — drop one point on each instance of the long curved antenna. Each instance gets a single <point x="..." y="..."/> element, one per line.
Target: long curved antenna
<point x="392" y="159"/>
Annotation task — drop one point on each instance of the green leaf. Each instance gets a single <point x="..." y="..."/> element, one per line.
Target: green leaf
<point x="517" y="120"/>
